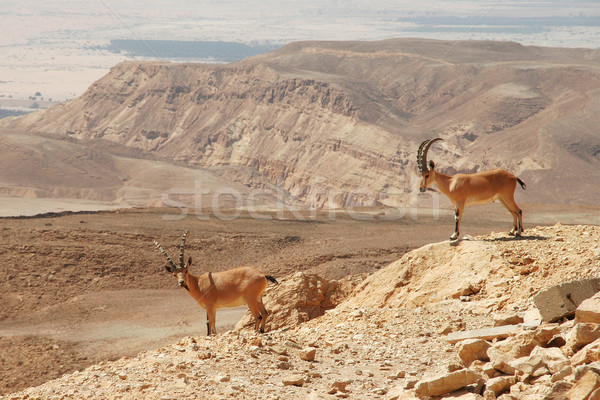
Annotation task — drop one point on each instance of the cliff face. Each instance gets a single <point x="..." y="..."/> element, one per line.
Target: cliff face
<point x="338" y="123"/>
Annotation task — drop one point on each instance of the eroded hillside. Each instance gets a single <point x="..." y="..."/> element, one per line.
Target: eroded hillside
<point x="338" y="123"/>
<point x="381" y="341"/>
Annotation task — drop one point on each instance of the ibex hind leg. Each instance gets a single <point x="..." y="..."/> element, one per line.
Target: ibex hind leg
<point x="264" y="314"/>
<point x="516" y="213"/>
<point x="253" y="307"/>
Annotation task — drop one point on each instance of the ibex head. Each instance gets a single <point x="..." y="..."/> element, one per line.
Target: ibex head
<point x="427" y="171"/>
<point x="179" y="271"/>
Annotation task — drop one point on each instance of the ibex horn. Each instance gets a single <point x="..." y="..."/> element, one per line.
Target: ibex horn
<point x="422" y="154"/>
<point x="165" y="254"/>
<point x="181" y="246"/>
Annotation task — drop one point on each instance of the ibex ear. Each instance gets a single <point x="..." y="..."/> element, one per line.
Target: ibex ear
<point x="431" y="164"/>
<point x="189" y="261"/>
<point x="169" y="270"/>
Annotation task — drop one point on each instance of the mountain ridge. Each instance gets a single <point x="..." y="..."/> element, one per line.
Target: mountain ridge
<point x="337" y="123"/>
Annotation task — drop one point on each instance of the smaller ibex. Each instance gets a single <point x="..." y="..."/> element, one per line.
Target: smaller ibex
<point x="232" y="288"/>
<point x="477" y="188"/>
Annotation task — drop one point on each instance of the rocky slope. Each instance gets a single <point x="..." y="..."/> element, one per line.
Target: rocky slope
<point x="389" y="337"/>
<point x="42" y="167"/>
<point x="338" y="123"/>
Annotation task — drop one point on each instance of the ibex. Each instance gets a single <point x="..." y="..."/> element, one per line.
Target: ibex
<point x="476" y="188"/>
<point x="232" y="288"/>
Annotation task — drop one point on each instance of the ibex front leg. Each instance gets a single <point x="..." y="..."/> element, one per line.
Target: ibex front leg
<point x="457" y="216"/>
<point x="211" y="320"/>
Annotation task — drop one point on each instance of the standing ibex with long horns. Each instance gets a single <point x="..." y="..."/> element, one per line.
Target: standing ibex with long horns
<point x="232" y="288"/>
<point x="476" y="188"/>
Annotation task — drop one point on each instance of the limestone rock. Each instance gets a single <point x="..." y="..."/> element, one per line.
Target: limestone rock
<point x="580" y="335"/>
<point x="498" y="332"/>
<point x="398" y="393"/>
<point x="552" y="357"/>
<point x="562" y="374"/>
<point x="558" y="390"/>
<point x="502" y="353"/>
<point x="473" y="349"/>
<point x="308" y="353"/>
<point x="589" y="310"/>
<point x="584" y="387"/>
<point x="587" y="354"/>
<point x="500" y="384"/>
<point x="530" y="366"/>
<point x="595" y="395"/>
<point x="303" y="297"/>
<point x="533" y="314"/>
<point x="462" y="395"/>
<point x="501" y="319"/>
<point x="339" y="386"/>
<point x="295" y="380"/>
<point x="562" y="300"/>
<point x="447" y="383"/>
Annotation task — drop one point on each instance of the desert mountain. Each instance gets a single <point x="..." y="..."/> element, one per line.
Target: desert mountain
<point x="40" y="167"/>
<point x="338" y="123"/>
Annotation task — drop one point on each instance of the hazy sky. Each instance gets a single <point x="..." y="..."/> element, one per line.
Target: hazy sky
<point x="282" y="21"/>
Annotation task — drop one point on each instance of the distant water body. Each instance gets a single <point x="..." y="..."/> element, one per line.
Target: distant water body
<point x="206" y="51"/>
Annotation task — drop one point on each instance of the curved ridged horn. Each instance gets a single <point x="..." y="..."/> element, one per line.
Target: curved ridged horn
<point x="165" y="254"/>
<point x="181" y="246"/>
<point x="422" y="166"/>
<point x="422" y="154"/>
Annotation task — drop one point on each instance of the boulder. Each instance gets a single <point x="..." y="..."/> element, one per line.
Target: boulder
<point x="298" y="299"/>
<point x="562" y="300"/>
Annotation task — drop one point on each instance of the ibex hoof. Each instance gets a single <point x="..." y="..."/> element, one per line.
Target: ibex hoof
<point x="453" y="237"/>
